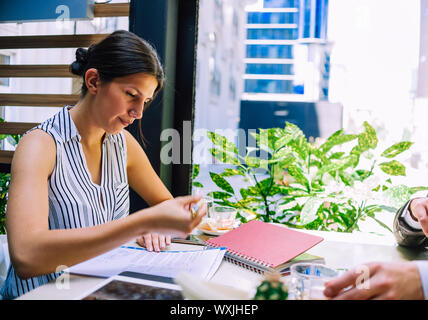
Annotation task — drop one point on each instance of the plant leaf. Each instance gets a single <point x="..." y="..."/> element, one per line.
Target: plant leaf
<point x="222" y="142"/>
<point x="310" y="209"/>
<point x="298" y="174"/>
<point x="197" y="184"/>
<point x="224" y="156"/>
<point x="393" y="168"/>
<point x="231" y="172"/>
<point x="195" y="171"/>
<point x="221" y="182"/>
<point x="417" y="189"/>
<point x="366" y="140"/>
<point x="220" y="195"/>
<point x="398" y="195"/>
<point x="335" y="139"/>
<point x="396" y="149"/>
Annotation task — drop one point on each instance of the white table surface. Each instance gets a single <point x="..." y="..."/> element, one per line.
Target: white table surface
<point x="339" y="251"/>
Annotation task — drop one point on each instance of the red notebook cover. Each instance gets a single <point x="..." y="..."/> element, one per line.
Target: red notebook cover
<point x="265" y="243"/>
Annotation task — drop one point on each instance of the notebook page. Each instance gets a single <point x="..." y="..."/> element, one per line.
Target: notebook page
<point x="165" y="263"/>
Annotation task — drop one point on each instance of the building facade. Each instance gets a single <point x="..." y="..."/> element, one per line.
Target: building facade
<point x="287" y="53"/>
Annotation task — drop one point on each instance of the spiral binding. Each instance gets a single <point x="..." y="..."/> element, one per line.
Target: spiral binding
<point x="244" y="261"/>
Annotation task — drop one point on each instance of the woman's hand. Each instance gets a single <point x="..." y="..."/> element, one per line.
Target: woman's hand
<point x="419" y="211"/>
<point x="384" y="281"/>
<point x="154" y="241"/>
<point x="173" y="217"/>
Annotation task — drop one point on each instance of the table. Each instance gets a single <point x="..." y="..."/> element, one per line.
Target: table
<point x="339" y="251"/>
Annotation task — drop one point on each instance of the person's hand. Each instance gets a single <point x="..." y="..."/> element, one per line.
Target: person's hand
<point x="154" y="241"/>
<point x="173" y="217"/>
<point x="419" y="210"/>
<point x="379" y="281"/>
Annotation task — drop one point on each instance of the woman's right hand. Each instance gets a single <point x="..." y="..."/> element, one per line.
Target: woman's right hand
<point x="173" y="217"/>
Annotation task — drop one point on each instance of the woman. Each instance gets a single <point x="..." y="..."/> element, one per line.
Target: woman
<point x="68" y="197"/>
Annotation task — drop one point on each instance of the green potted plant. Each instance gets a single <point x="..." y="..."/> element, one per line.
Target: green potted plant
<point x="4" y="189"/>
<point x="330" y="187"/>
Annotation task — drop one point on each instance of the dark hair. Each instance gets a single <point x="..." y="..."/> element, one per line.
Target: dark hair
<point x="120" y="54"/>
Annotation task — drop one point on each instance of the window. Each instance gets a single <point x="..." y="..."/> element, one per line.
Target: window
<point x="269" y="51"/>
<point x="307" y="19"/>
<point x="268" y="86"/>
<point x="279" y="34"/>
<point x="272" y="17"/>
<point x="263" y="68"/>
<point x="281" y="3"/>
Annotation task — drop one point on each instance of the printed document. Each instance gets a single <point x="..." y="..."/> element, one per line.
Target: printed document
<point x="203" y="263"/>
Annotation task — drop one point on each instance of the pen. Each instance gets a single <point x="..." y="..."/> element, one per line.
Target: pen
<point x="194" y="209"/>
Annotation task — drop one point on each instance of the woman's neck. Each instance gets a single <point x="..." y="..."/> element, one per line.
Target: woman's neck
<point x="91" y="134"/>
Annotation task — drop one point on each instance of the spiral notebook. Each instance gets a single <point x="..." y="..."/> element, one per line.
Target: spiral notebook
<point x="261" y="246"/>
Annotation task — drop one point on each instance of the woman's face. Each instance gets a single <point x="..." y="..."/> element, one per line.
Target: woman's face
<point x="123" y="100"/>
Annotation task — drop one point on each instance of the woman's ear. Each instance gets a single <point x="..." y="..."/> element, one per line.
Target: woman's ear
<point x="92" y="80"/>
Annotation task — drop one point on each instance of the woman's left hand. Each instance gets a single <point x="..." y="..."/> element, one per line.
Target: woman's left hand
<point x="154" y="241"/>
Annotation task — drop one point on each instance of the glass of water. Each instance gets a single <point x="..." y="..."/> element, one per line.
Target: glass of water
<point x="222" y="218"/>
<point x="307" y="281"/>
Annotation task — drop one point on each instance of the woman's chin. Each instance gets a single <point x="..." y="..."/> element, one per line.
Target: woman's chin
<point x="114" y="130"/>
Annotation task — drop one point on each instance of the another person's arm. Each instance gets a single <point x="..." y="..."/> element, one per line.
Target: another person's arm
<point x="399" y="280"/>
<point x="37" y="250"/>
<point x="379" y="281"/>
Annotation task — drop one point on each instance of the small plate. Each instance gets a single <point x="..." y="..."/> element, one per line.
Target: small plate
<point x="205" y="228"/>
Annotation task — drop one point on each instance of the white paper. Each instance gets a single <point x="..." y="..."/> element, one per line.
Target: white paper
<point x="203" y="263"/>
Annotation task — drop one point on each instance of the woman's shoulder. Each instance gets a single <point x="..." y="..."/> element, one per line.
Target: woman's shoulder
<point x="36" y="149"/>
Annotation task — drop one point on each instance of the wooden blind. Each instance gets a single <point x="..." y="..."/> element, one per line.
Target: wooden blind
<point x="45" y="71"/>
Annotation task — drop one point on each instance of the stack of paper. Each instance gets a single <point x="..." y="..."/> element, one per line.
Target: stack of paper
<point x="203" y="263"/>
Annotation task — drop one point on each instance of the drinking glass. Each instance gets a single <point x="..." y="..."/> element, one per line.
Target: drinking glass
<point x="307" y="281"/>
<point x="222" y="218"/>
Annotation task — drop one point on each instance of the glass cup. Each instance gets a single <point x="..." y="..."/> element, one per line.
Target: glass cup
<point x="307" y="281"/>
<point x="222" y="218"/>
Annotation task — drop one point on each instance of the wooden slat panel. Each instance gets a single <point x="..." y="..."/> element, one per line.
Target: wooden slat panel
<point x="6" y="156"/>
<point x="55" y="41"/>
<point x="16" y="127"/>
<point x="111" y="10"/>
<point x="48" y="100"/>
<point x="35" y="71"/>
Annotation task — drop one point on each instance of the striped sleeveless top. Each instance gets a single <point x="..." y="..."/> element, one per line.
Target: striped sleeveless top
<point x="74" y="200"/>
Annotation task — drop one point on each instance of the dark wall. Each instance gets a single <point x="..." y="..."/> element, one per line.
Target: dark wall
<point x="319" y="119"/>
<point x="171" y="27"/>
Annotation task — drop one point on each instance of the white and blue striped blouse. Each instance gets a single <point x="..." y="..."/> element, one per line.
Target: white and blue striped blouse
<point x="75" y="201"/>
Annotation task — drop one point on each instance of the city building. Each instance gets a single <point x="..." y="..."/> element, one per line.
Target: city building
<point x="287" y="52"/>
<point x="288" y="68"/>
<point x="219" y="72"/>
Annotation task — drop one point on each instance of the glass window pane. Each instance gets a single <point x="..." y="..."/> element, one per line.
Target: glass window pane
<point x="282" y="34"/>
<point x="281" y="3"/>
<point x="269" y="51"/>
<point x="272" y="17"/>
<point x="269" y="86"/>
<point x="263" y="68"/>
